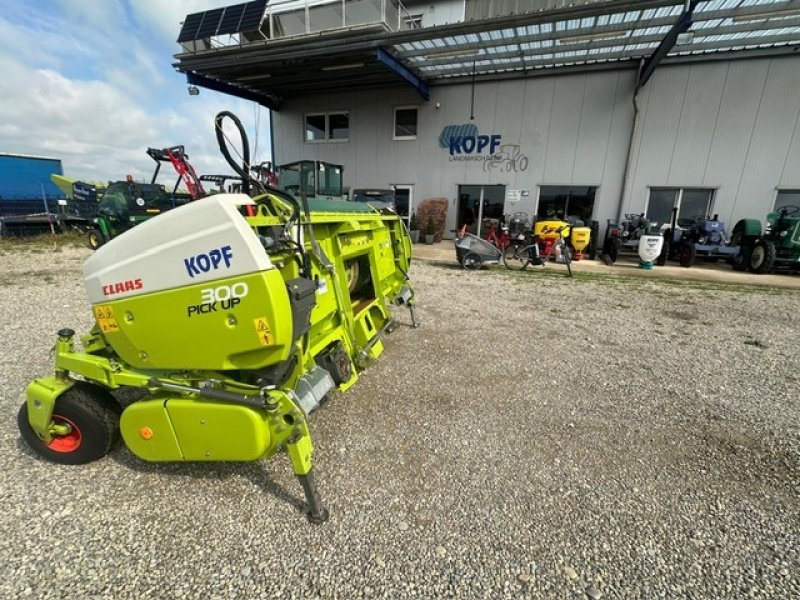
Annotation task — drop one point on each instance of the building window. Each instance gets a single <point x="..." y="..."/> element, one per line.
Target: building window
<point x="786" y="198"/>
<point x="405" y="123"/>
<point x="691" y="203"/>
<point x="561" y="201"/>
<point x="328" y="127"/>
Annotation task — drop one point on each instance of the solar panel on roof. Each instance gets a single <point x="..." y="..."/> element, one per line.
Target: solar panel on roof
<point x="231" y="19"/>
<point x="189" y="29"/>
<point x="253" y="13"/>
<point x="210" y="23"/>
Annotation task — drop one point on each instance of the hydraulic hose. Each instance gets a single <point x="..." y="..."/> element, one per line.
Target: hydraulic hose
<point x="244" y="170"/>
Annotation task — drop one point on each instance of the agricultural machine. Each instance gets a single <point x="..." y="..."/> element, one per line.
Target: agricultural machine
<point x="578" y="237"/>
<point x="777" y="246"/>
<point x="699" y="237"/>
<point x="126" y="204"/>
<point x="625" y="235"/>
<point x="234" y="317"/>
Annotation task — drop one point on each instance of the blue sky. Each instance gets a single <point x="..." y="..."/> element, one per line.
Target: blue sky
<point x="91" y="82"/>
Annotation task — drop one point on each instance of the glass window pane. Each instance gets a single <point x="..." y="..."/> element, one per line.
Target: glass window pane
<point x="315" y="127"/>
<point x="695" y="204"/>
<point x="659" y="207"/>
<point x="558" y="201"/>
<point x="339" y="124"/>
<point x="787" y="198"/>
<point x="405" y="122"/>
<point x="308" y="182"/>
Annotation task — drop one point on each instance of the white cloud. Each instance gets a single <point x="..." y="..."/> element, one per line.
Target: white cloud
<point x="98" y="131"/>
<point x="96" y="90"/>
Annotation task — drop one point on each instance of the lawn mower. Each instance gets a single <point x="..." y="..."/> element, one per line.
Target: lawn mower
<point x="697" y="237"/>
<point x="778" y="246"/>
<point x="234" y="317"/>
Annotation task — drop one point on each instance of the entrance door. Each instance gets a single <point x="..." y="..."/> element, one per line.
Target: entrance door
<point x="404" y="201"/>
<point x="479" y="202"/>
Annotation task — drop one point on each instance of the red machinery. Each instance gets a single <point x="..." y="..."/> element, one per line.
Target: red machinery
<point x="177" y="156"/>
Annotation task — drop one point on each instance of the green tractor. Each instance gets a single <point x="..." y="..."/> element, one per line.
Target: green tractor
<point x="125" y="204"/>
<point x="128" y="203"/>
<point x="777" y="246"/>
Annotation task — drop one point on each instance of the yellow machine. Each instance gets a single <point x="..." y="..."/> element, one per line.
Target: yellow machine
<point x="578" y="237"/>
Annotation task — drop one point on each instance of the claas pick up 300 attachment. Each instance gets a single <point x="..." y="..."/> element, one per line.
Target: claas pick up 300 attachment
<point x="234" y="317"/>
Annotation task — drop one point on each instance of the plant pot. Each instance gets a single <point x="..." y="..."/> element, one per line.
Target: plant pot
<point x="429" y="239"/>
<point x="414" y="236"/>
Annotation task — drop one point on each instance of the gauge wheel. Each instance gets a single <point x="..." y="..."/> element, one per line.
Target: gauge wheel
<point x="471" y="261"/>
<point x="88" y="417"/>
<point x="96" y="238"/>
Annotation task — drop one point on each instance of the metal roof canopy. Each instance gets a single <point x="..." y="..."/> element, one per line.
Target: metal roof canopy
<point x="592" y="36"/>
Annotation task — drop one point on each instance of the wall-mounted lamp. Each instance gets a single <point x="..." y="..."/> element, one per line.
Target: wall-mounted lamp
<point x="438" y="105"/>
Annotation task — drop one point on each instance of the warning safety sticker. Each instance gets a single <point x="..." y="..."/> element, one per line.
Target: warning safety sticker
<point x="105" y="318"/>
<point x="263" y="330"/>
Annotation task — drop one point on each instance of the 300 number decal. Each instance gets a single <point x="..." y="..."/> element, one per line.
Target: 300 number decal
<point x="224" y="292"/>
<point x="225" y="297"/>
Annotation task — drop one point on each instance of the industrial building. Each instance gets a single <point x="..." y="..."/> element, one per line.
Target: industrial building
<point x="592" y="109"/>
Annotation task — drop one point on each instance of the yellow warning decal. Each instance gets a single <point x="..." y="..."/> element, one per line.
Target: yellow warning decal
<point x="105" y="318"/>
<point x="263" y="330"/>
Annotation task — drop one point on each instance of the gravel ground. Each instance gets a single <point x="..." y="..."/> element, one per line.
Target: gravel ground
<point x="538" y="437"/>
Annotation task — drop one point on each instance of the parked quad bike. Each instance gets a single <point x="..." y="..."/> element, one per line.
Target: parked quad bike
<point x="777" y="246"/>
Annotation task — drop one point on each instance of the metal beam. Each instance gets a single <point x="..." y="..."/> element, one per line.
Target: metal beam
<point x="232" y="90"/>
<point x="682" y="24"/>
<point x="403" y="72"/>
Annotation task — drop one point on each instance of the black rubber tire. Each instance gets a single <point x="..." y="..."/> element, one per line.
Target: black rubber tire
<point x="762" y="257"/>
<point x="472" y="261"/>
<point x="95" y="415"/>
<point x="96" y="238"/>
<point x="741" y="261"/>
<point x="516" y="257"/>
<point x="688" y="254"/>
<point x="613" y="250"/>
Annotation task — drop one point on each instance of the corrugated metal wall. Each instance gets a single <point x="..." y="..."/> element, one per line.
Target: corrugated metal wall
<point x="732" y="126"/>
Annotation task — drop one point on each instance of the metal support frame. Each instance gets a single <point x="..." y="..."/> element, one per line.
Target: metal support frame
<point x="403" y="72"/>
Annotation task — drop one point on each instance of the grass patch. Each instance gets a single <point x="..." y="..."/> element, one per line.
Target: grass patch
<point x="671" y="287"/>
<point x="42" y="244"/>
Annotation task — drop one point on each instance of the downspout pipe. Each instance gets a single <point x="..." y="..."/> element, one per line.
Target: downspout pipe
<point x="629" y="159"/>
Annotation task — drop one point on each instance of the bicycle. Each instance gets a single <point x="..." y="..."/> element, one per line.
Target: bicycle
<point x="517" y="257"/>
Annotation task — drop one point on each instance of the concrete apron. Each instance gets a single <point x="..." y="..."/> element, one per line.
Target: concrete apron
<point x="628" y="265"/>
